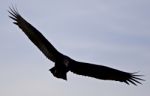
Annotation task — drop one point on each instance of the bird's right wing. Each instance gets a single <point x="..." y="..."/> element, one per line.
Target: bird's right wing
<point x="103" y="72"/>
<point x="34" y="35"/>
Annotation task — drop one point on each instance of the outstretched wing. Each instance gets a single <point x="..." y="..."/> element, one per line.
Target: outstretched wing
<point x="34" y="35"/>
<point x="104" y="73"/>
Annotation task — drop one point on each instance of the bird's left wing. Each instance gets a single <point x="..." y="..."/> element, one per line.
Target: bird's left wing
<point x="34" y="35"/>
<point x="103" y="72"/>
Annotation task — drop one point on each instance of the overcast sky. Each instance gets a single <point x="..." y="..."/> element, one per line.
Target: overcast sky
<point x="114" y="33"/>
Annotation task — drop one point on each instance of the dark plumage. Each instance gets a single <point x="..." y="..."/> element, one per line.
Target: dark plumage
<point x="63" y="63"/>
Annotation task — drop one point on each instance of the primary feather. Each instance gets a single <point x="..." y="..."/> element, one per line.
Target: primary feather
<point x="63" y="63"/>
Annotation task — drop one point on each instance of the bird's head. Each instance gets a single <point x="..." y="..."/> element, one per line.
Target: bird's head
<point x="58" y="73"/>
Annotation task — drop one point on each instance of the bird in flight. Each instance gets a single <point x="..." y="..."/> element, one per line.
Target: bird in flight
<point x="63" y="63"/>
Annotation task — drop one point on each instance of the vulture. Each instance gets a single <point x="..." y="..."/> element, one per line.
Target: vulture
<point x="63" y="63"/>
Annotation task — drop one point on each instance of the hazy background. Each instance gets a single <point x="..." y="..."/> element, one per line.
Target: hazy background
<point x="115" y="33"/>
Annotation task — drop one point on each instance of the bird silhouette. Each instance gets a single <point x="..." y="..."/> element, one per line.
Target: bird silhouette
<point x="63" y="63"/>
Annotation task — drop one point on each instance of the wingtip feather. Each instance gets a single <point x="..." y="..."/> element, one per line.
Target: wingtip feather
<point x="134" y="79"/>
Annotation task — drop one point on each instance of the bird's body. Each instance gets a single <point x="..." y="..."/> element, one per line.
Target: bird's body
<point x="63" y="63"/>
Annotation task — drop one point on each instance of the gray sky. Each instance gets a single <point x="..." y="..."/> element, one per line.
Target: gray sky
<point x="114" y="33"/>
